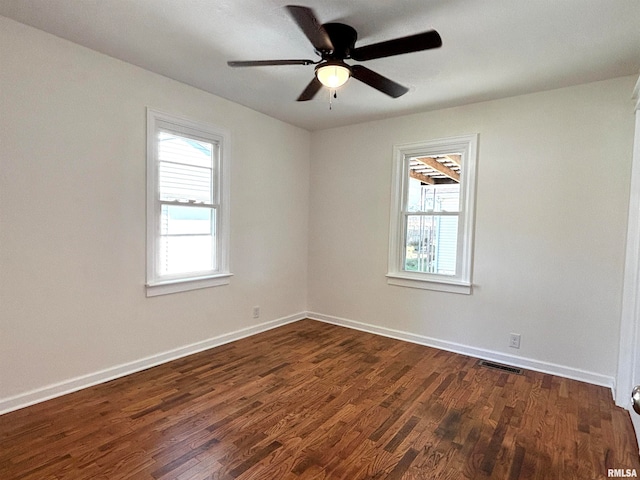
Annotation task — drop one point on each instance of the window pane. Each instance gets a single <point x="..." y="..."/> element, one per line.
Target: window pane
<point x="431" y="244"/>
<point x="186" y="254"/>
<point x="185" y="168"/>
<point x="433" y="198"/>
<point x="187" y="239"/>
<point x="187" y="220"/>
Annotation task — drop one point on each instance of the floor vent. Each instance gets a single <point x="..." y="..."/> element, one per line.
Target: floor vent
<point x="497" y="366"/>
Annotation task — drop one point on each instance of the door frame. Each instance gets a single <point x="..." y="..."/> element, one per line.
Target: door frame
<point x="629" y="352"/>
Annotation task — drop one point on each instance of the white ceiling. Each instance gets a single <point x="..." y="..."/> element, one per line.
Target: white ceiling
<point x="491" y="48"/>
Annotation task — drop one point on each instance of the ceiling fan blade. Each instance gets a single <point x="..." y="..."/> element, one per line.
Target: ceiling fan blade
<point x="264" y="63"/>
<point x="311" y="27"/>
<point x="311" y="90"/>
<point x="398" y="46"/>
<point x="377" y="81"/>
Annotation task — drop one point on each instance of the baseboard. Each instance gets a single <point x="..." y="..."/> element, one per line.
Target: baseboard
<point x="499" y="357"/>
<point x="78" y="383"/>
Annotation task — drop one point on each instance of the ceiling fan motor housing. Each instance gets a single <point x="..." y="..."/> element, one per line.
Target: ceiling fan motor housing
<point x="343" y="38"/>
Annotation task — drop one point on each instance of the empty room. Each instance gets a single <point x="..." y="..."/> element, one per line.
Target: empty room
<point x="349" y="240"/>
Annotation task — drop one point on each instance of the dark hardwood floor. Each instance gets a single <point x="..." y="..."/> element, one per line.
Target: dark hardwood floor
<point x="315" y="401"/>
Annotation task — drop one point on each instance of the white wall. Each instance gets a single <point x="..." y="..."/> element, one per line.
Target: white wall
<point x="72" y="215"/>
<point x="552" y="197"/>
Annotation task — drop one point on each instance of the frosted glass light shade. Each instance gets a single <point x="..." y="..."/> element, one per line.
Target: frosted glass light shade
<point x="333" y="76"/>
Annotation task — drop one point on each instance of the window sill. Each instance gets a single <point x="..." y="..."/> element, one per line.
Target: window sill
<point x="438" y="285"/>
<point x="174" y="286"/>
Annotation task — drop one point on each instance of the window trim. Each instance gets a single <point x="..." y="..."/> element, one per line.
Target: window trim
<point x="462" y="281"/>
<point x="155" y="284"/>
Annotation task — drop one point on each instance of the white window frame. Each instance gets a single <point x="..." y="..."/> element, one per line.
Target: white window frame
<point x="461" y="282"/>
<point x="162" y="285"/>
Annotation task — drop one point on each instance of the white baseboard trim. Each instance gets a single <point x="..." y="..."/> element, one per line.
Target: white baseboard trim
<point x="499" y="357"/>
<point x="48" y="392"/>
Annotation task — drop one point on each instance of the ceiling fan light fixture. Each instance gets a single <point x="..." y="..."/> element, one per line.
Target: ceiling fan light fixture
<point x="333" y="75"/>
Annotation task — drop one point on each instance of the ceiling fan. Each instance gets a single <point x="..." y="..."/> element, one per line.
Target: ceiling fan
<point x="334" y="43"/>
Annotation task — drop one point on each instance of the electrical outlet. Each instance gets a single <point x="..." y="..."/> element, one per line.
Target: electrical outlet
<point x="256" y="312"/>
<point x="514" y="340"/>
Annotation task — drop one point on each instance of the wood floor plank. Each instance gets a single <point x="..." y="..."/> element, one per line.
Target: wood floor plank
<point x="316" y="401"/>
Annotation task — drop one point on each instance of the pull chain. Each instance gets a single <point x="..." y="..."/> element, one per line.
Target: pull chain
<point x="332" y="93"/>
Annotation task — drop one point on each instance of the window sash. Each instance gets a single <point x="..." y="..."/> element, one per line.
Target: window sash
<point x="402" y="265"/>
<point x="181" y="224"/>
<point x="187" y="172"/>
<point x="432" y="256"/>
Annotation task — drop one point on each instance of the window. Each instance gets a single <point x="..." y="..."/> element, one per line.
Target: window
<point x="431" y="234"/>
<point x="187" y="205"/>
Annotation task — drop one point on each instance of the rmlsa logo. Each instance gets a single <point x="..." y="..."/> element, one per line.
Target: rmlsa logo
<point x="622" y="473"/>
